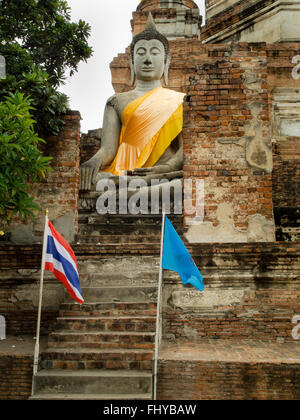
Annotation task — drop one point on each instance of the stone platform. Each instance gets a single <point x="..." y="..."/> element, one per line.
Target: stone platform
<point x="232" y="351"/>
<point x="229" y="370"/>
<point x="233" y="341"/>
<point x="211" y="369"/>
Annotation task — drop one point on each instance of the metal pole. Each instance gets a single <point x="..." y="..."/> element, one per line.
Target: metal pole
<point x="158" y="304"/>
<point x="38" y="327"/>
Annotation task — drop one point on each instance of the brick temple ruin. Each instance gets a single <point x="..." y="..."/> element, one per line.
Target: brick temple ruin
<point x="241" y="136"/>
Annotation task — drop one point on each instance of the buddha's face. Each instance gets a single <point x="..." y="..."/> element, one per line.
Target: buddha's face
<point x="149" y="59"/>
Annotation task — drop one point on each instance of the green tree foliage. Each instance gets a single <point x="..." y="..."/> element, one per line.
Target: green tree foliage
<point x="21" y="162"/>
<point x="41" y="46"/>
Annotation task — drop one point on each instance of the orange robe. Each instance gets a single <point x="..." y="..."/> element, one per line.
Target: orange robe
<point x="149" y="125"/>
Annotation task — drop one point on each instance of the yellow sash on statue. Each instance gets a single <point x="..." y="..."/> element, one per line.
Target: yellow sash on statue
<point x="149" y="125"/>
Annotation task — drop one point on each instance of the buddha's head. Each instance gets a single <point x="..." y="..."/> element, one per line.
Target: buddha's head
<point x="150" y="57"/>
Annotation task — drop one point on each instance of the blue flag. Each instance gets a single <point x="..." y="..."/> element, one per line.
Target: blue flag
<point x="177" y="258"/>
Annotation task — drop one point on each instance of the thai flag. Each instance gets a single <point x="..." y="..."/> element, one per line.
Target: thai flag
<point x="61" y="260"/>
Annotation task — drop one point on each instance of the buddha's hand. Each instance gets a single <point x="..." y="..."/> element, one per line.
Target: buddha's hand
<point x="159" y="169"/>
<point x="88" y="173"/>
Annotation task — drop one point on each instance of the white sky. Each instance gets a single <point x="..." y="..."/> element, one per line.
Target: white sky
<point x="89" y="89"/>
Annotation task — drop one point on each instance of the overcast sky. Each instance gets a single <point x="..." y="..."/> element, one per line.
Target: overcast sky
<point x="89" y="89"/>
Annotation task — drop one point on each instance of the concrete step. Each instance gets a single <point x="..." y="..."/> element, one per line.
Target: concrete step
<point x="92" y="382"/>
<point x="102" y="340"/>
<point x="107" y="397"/>
<point x="121" y="323"/>
<point x="108" y="309"/>
<point x="117" y="293"/>
<point x="136" y="359"/>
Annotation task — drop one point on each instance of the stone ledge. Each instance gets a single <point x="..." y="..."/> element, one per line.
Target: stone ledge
<point x="228" y="370"/>
<point x="19" y="256"/>
<point x="21" y="345"/>
<point x="234" y="18"/>
<point x="243" y="351"/>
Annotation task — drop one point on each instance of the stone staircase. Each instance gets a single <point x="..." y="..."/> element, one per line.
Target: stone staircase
<point x="231" y="342"/>
<point x="102" y="349"/>
<point x="125" y="228"/>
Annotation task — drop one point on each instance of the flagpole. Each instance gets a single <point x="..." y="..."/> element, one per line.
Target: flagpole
<point x="158" y="304"/>
<point x="38" y="327"/>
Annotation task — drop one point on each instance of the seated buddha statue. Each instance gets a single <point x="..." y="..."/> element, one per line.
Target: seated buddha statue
<point x="142" y="128"/>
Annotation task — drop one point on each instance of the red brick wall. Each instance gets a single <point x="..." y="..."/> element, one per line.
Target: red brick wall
<point x="217" y="380"/>
<point x="271" y="294"/>
<point x="265" y="315"/>
<point x="216" y="108"/>
<point x="60" y="190"/>
<point x="89" y="144"/>
<point x="21" y="314"/>
<point x="16" y="377"/>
